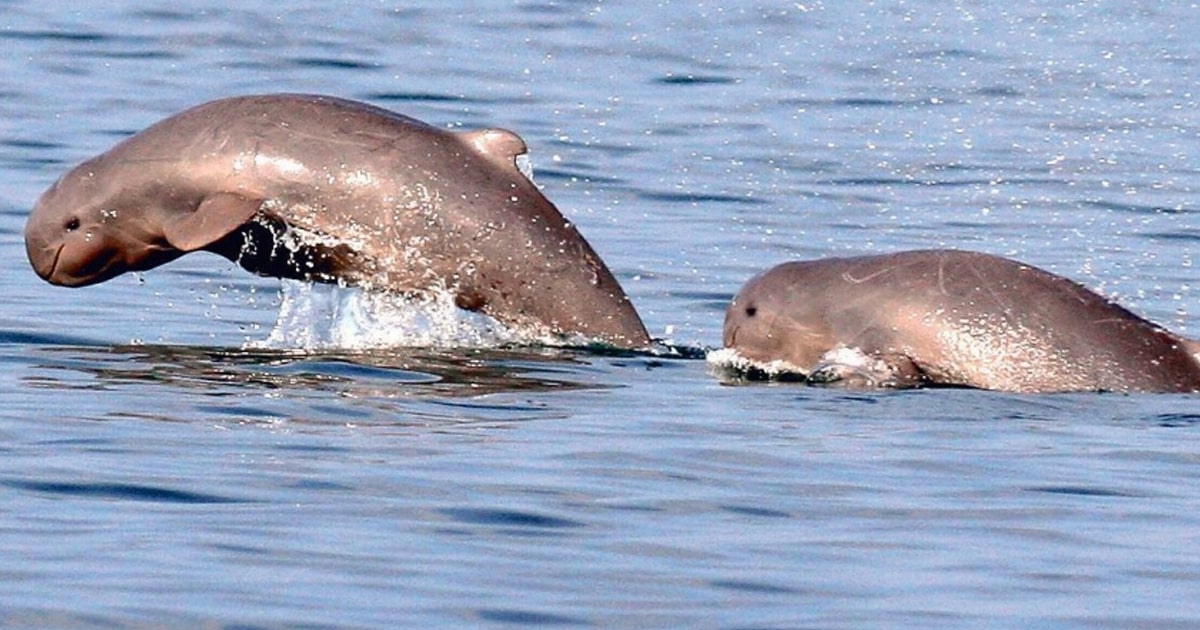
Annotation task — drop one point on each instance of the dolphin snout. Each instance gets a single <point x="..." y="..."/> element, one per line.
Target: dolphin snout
<point x="43" y="256"/>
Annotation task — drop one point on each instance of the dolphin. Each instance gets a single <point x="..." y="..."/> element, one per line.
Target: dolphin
<point x="331" y="190"/>
<point x="952" y="318"/>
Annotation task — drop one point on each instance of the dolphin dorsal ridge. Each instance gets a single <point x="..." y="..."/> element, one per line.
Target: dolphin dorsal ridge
<point x="497" y="145"/>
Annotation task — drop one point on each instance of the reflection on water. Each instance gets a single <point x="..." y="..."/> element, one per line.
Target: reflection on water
<point x="393" y="373"/>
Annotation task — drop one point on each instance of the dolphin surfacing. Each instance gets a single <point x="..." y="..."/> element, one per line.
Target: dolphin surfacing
<point x="331" y="190"/>
<point x="955" y="318"/>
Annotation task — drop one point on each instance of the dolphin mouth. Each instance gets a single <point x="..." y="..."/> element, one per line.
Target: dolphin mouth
<point x="46" y="271"/>
<point x="57" y="256"/>
<point x="56" y="276"/>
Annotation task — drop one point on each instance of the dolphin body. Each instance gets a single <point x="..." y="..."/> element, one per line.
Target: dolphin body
<point x="331" y="190"/>
<point x="953" y="318"/>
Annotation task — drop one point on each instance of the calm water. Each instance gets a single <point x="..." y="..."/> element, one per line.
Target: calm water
<point x="169" y="455"/>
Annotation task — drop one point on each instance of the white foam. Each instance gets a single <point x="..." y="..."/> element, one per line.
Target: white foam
<point x="840" y="364"/>
<point x="325" y="316"/>
<point x="729" y="359"/>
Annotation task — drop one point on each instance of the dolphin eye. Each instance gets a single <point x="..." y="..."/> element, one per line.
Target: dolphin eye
<point x="72" y="224"/>
<point x="751" y="311"/>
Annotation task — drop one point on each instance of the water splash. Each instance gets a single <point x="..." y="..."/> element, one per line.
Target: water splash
<point x="525" y="165"/>
<point x="730" y="362"/>
<point x="315" y="316"/>
<point x="840" y="366"/>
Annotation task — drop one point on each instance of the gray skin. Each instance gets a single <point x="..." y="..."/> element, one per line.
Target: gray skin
<point x="331" y="190"/>
<point x="955" y="318"/>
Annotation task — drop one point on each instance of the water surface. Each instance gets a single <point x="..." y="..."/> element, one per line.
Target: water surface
<point x="161" y="465"/>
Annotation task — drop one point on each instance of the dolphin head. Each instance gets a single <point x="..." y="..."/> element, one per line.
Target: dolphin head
<point x="109" y="216"/>
<point x="88" y="228"/>
<point x="772" y="319"/>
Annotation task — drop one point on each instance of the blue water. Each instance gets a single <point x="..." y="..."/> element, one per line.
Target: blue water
<point x="160" y="467"/>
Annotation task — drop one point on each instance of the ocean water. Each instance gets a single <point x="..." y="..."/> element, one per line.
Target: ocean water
<point x="196" y="447"/>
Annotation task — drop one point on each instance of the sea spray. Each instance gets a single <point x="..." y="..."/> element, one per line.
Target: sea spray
<point x="325" y="316"/>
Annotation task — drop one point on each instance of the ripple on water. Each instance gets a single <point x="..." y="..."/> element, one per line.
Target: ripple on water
<point x="338" y="477"/>
<point x="117" y="491"/>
